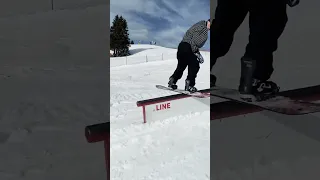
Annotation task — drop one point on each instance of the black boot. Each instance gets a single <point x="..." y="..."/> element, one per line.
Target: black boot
<point x="189" y="87"/>
<point x="248" y="67"/>
<point x="172" y="83"/>
<point x="251" y="89"/>
<point x="213" y="80"/>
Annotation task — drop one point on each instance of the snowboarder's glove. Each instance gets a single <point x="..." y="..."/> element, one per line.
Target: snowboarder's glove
<point x="293" y="3"/>
<point x="199" y="57"/>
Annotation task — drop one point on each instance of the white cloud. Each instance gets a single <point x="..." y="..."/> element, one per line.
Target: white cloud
<point x="180" y="16"/>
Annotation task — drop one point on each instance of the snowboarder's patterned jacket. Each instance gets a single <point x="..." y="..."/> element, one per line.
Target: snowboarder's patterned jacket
<point x="196" y="35"/>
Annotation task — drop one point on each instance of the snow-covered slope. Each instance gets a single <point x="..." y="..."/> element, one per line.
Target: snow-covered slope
<point x="146" y="49"/>
<point x="143" y="53"/>
<point x="53" y="79"/>
<point x="173" y="148"/>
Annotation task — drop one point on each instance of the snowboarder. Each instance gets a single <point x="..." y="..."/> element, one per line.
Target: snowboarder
<point x="189" y="55"/>
<point x="267" y="21"/>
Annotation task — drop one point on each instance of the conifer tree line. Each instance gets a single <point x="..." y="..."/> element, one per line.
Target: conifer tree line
<point x="119" y="37"/>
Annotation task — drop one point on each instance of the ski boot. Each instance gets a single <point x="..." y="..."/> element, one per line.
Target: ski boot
<point x="172" y="83"/>
<point x="251" y="89"/>
<point x="190" y="88"/>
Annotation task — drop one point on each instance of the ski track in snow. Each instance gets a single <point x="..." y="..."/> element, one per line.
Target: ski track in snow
<point x="172" y="148"/>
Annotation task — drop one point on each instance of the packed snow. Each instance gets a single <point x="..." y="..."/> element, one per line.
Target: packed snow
<point x="52" y="85"/>
<point x="173" y="148"/>
<point x="261" y="145"/>
<point x="141" y="53"/>
<point x="145" y="49"/>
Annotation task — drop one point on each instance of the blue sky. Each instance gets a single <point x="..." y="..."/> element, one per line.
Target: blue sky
<point x="163" y="21"/>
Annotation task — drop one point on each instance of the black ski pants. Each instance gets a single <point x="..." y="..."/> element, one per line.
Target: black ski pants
<point x="186" y="58"/>
<point x="267" y="21"/>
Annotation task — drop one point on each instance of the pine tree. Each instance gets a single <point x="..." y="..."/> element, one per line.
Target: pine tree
<point x="113" y="34"/>
<point x="119" y="36"/>
<point x="132" y="42"/>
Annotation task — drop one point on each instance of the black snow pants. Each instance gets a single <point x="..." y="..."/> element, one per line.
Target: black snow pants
<point x="186" y="58"/>
<point x="267" y="21"/>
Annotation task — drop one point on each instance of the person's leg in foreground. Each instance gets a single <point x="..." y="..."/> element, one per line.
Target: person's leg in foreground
<point x="266" y="26"/>
<point x="267" y="22"/>
<point x="229" y="15"/>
